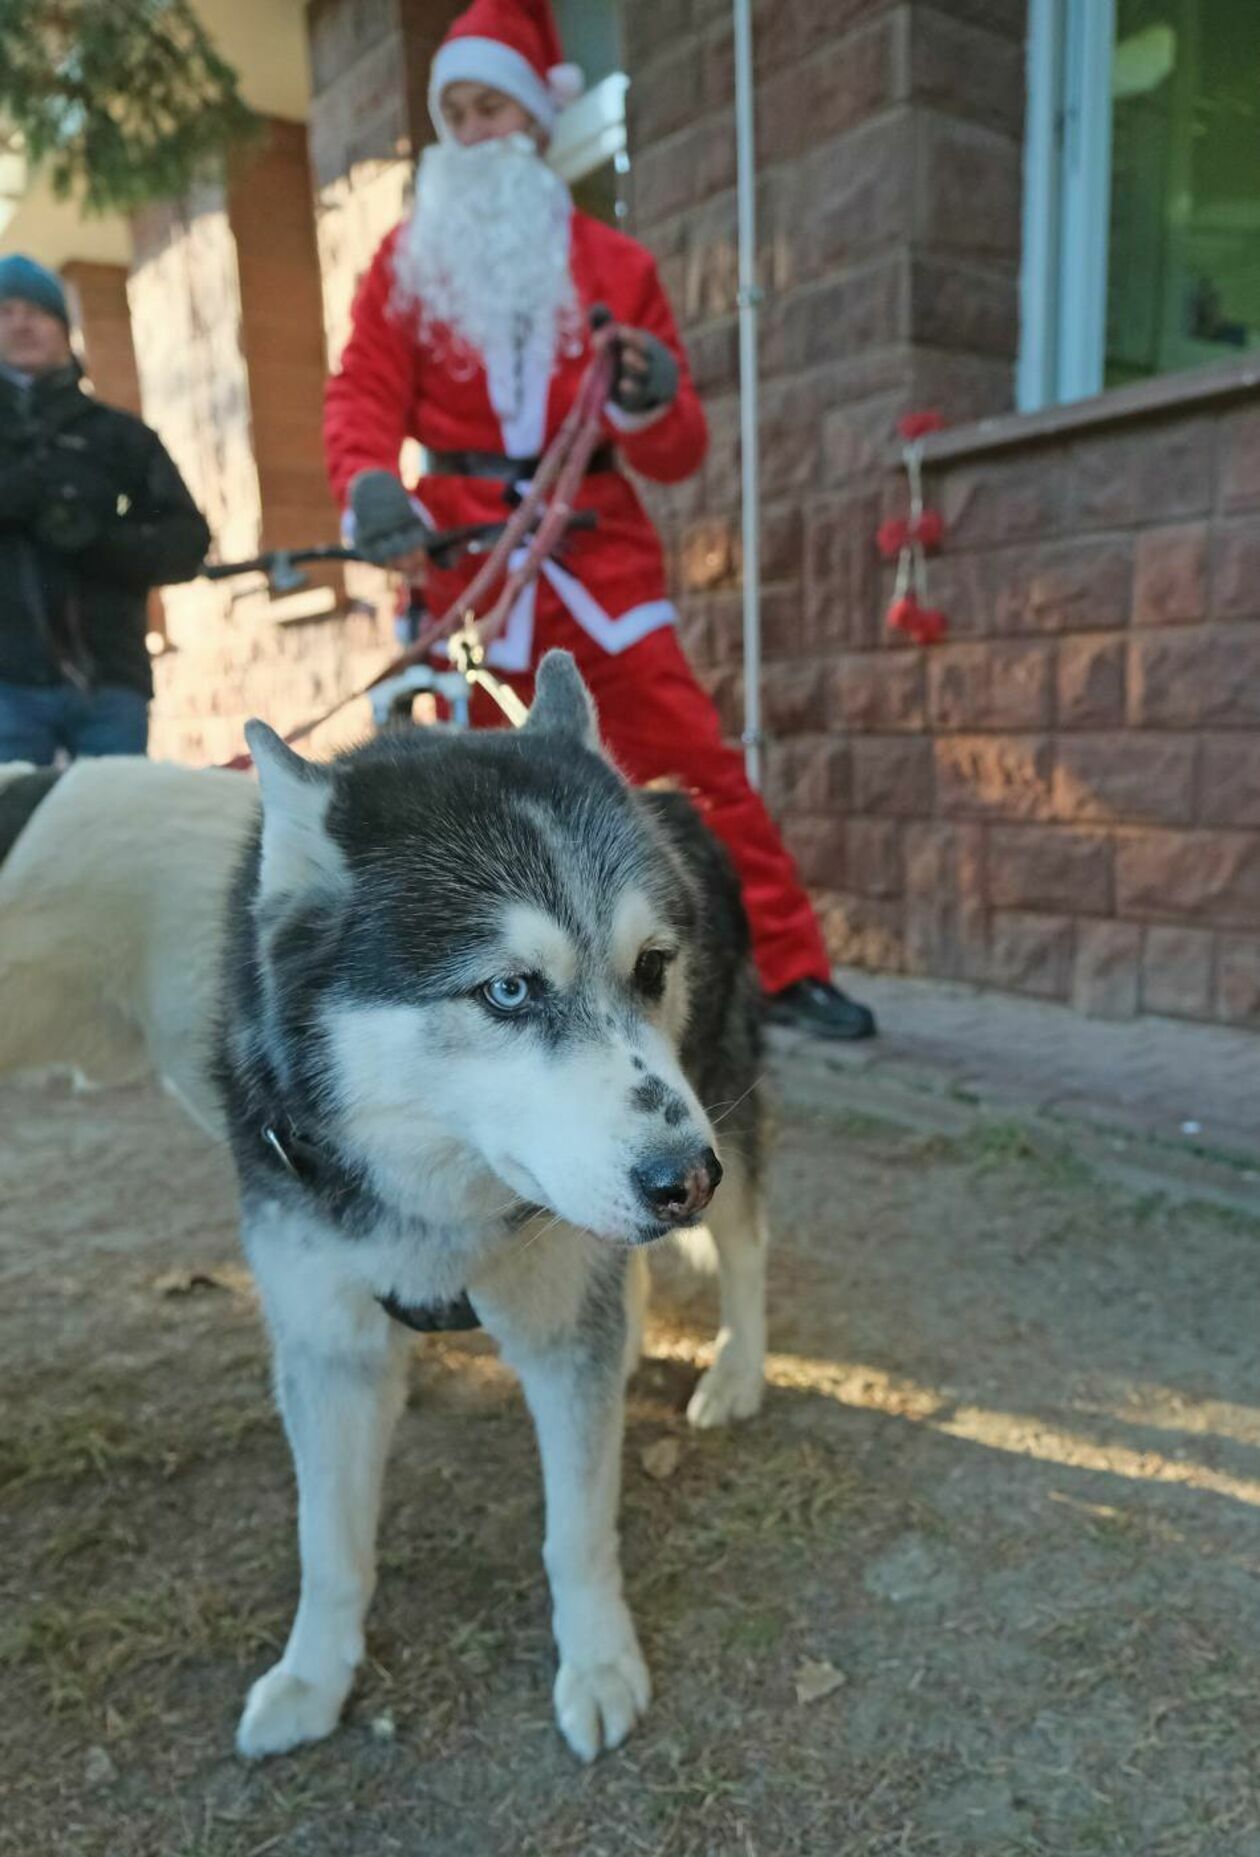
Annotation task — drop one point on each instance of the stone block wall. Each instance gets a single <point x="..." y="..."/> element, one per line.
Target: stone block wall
<point x="227" y="313"/>
<point x="1064" y="798"/>
<point x="888" y="155"/>
<point x="1074" y="776"/>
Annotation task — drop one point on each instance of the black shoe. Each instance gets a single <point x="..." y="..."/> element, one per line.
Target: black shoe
<point x="817" y="1007"/>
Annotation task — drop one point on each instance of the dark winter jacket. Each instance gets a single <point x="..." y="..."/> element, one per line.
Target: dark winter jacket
<point x="93" y="514"/>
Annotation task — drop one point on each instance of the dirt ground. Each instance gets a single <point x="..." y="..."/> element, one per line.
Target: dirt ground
<point x="1003" y="1505"/>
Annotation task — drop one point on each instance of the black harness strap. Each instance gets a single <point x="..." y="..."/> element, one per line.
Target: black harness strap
<point x="310" y="1163"/>
<point x="432" y="1318"/>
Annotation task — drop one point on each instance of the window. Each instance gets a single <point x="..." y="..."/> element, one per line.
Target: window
<point x="1142" y="191"/>
<point x="589" y="148"/>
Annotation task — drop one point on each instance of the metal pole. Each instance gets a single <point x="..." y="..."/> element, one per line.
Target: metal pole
<point x="749" y="299"/>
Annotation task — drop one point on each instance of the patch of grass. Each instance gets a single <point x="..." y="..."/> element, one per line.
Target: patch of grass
<point x="859" y="1124"/>
<point x="991" y="1145"/>
<point x="1231" y="1219"/>
<point x="63" y="1447"/>
<point x="749" y="1633"/>
<point x="78" y="1650"/>
<point x="100" y="1441"/>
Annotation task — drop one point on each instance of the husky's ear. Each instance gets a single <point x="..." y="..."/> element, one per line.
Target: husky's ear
<point x="562" y="703"/>
<point x="296" y="849"/>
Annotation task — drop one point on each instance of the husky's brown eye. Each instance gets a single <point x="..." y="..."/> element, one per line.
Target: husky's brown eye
<point x="649" y="971"/>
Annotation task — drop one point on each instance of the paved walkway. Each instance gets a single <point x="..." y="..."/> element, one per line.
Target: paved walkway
<point x="1193" y="1090"/>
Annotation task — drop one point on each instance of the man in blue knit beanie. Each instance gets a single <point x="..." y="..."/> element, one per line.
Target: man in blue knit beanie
<point x="93" y="514"/>
<point x="28" y="282"/>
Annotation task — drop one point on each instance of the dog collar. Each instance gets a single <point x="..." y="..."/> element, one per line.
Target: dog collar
<point x="311" y="1163"/>
<point x="305" y="1160"/>
<point x="432" y="1318"/>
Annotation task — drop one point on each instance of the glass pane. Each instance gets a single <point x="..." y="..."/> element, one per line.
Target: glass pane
<point x="1183" y="272"/>
<point x="590" y="31"/>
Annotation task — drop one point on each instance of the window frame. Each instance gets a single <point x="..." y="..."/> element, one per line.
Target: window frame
<point x="1067" y="185"/>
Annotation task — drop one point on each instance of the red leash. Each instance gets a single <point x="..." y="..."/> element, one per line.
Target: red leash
<point x="563" y="465"/>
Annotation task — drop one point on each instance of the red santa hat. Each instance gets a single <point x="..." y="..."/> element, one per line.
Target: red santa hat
<point x="513" y="46"/>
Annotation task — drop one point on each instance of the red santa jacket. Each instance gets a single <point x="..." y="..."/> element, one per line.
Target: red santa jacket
<point x="393" y="384"/>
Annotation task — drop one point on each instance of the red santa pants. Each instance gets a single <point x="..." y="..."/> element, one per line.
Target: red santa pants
<point x="657" y="723"/>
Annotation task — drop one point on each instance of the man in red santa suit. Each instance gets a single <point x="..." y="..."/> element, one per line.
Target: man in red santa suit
<point x="470" y="334"/>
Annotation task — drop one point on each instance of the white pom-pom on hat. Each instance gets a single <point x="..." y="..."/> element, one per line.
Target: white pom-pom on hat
<point x="566" y="83"/>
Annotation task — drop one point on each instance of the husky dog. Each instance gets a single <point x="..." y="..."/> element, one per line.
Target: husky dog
<point x="479" y="999"/>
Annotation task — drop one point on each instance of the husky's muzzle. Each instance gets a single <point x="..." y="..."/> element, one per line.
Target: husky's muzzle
<point x="676" y="1184"/>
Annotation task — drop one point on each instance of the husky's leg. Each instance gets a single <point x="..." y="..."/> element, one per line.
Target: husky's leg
<point x="733" y="1386"/>
<point x="340" y="1369"/>
<point x="638" y="1291"/>
<point x="575" y="1386"/>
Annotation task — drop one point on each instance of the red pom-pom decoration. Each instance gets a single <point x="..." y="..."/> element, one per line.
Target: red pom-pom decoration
<point x="929" y="530"/>
<point x="892" y="536"/>
<point x="904" y="614"/>
<point x="918" y="425"/>
<point x="929" y="627"/>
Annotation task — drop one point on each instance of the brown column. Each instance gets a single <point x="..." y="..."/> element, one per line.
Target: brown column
<point x="98" y="299"/>
<point x="272" y="225"/>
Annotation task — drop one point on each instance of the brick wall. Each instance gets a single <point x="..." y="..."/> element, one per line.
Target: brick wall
<point x="1064" y="799"/>
<point x="888" y="157"/>
<point x="227" y="312"/>
<point x="1066" y="794"/>
<point x="185" y="318"/>
<point x="369" y="72"/>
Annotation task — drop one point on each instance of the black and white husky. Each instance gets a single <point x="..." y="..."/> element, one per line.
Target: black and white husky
<point x="465" y="1005"/>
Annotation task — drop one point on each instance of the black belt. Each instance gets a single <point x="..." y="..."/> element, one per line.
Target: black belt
<point x="510" y="470"/>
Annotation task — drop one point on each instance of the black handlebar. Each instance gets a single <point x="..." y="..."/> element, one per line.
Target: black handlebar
<point x="282" y="566"/>
<point x="274" y="563"/>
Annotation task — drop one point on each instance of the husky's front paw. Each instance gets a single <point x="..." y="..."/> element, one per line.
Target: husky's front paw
<point x="282" y="1711"/>
<point x="598" y="1704"/>
<point x="731" y="1389"/>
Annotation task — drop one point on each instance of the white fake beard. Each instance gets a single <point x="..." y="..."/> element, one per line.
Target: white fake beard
<point x="484" y="260"/>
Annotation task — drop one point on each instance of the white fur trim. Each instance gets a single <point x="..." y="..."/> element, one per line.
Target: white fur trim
<point x="613" y="635"/>
<point x="566" y="82"/>
<point x="489" y="61"/>
<point x="512" y="649"/>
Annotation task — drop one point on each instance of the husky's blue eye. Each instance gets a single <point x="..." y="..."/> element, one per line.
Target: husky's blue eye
<point x="508" y="994"/>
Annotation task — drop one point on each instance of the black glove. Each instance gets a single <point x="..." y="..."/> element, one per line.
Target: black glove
<point x="639" y="392"/>
<point x="385" y="521"/>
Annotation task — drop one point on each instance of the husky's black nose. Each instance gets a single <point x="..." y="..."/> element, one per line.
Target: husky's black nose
<point x="675" y="1187"/>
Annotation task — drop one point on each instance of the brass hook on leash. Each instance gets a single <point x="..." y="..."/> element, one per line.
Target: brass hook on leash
<point x="468" y="655"/>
